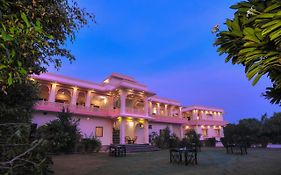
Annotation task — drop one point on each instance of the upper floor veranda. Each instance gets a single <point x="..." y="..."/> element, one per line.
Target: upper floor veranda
<point x="117" y="95"/>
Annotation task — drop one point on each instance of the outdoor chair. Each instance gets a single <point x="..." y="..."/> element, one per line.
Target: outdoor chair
<point x="134" y="139"/>
<point x="128" y="139"/>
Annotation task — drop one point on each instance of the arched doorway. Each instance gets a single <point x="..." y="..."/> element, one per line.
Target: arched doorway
<point x="81" y="99"/>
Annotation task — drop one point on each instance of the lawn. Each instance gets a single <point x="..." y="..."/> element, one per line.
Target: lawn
<point x="211" y="161"/>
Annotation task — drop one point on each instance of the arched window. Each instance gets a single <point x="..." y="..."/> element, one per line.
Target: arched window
<point x="99" y="101"/>
<point x="43" y="92"/>
<point x="81" y="99"/>
<point x="63" y="96"/>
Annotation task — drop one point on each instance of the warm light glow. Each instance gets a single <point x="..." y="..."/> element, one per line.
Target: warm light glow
<point x="208" y="126"/>
<point x="202" y="126"/>
<point x="197" y="118"/>
<point x="154" y="110"/>
<point x="141" y="120"/>
<point x="106" y="81"/>
<point x="214" y="127"/>
<point x="220" y="127"/>
<point x="119" y="118"/>
<point x="55" y="84"/>
<point x="131" y="123"/>
<point x="88" y="118"/>
<point x="186" y="127"/>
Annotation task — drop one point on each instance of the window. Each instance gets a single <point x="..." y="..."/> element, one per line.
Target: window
<point x="149" y="126"/>
<point x="99" y="131"/>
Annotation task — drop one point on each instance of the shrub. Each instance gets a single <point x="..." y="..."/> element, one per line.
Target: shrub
<point x="192" y="137"/>
<point x="91" y="144"/>
<point x="165" y="139"/>
<point x="63" y="134"/>
<point x="210" y="142"/>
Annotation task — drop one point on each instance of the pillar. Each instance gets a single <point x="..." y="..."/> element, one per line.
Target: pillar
<point x="146" y="132"/>
<point x="122" y="131"/>
<point x="88" y="99"/>
<point x="180" y="112"/>
<point x="166" y="110"/>
<point x="74" y="96"/>
<point x="146" y="106"/>
<point x="123" y="95"/>
<point x="182" y="131"/>
<point x="52" y="96"/>
<point x="158" y="108"/>
<point x="150" y="108"/>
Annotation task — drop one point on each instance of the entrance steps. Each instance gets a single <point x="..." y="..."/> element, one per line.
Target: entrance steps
<point x="131" y="148"/>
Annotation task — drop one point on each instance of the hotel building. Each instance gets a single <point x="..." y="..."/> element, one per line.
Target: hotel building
<point x="120" y="108"/>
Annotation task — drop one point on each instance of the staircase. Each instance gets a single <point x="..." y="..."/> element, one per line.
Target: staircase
<point x="131" y="148"/>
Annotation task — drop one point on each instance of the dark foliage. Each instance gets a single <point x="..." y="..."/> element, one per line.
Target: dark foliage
<point x="62" y="134"/>
<point x="33" y="35"/>
<point x="91" y="144"/>
<point x="16" y="105"/>
<point x="253" y="39"/>
<point x="254" y="132"/>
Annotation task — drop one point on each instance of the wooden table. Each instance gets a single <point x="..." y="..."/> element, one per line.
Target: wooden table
<point x="117" y="150"/>
<point x="189" y="154"/>
<point x="242" y="148"/>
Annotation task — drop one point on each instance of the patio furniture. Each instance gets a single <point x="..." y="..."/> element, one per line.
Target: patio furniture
<point x="117" y="150"/>
<point x="134" y="139"/>
<point x="189" y="154"/>
<point x="130" y="141"/>
<point x="236" y="148"/>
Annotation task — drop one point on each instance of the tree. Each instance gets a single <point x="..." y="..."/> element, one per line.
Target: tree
<point x="16" y="105"/>
<point x="272" y="128"/>
<point x="253" y="39"/>
<point x="33" y="35"/>
<point x="62" y="134"/>
<point x="19" y="153"/>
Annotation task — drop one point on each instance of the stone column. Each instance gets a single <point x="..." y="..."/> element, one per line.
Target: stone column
<point x="145" y="131"/>
<point x="180" y="112"/>
<point x="88" y="99"/>
<point x="146" y="106"/>
<point x="150" y="108"/>
<point x="166" y="110"/>
<point x="171" y="111"/>
<point x="123" y="95"/>
<point x="158" y="108"/>
<point x="52" y="96"/>
<point x="122" y="130"/>
<point x="181" y="131"/>
<point x="74" y="96"/>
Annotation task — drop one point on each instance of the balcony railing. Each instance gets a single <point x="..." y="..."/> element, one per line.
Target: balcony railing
<point x="135" y="111"/>
<point x="77" y="109"/>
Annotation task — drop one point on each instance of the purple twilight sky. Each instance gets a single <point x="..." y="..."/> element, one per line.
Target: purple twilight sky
<point x="167" y="45"/>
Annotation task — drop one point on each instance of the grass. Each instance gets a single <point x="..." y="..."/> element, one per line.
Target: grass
<point x="211" y="161"/>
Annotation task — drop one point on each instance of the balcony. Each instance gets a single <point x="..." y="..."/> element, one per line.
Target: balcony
<point x="76" y="109"/>
<point x="136" y="111"/>
<point x="168" y="119"/>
